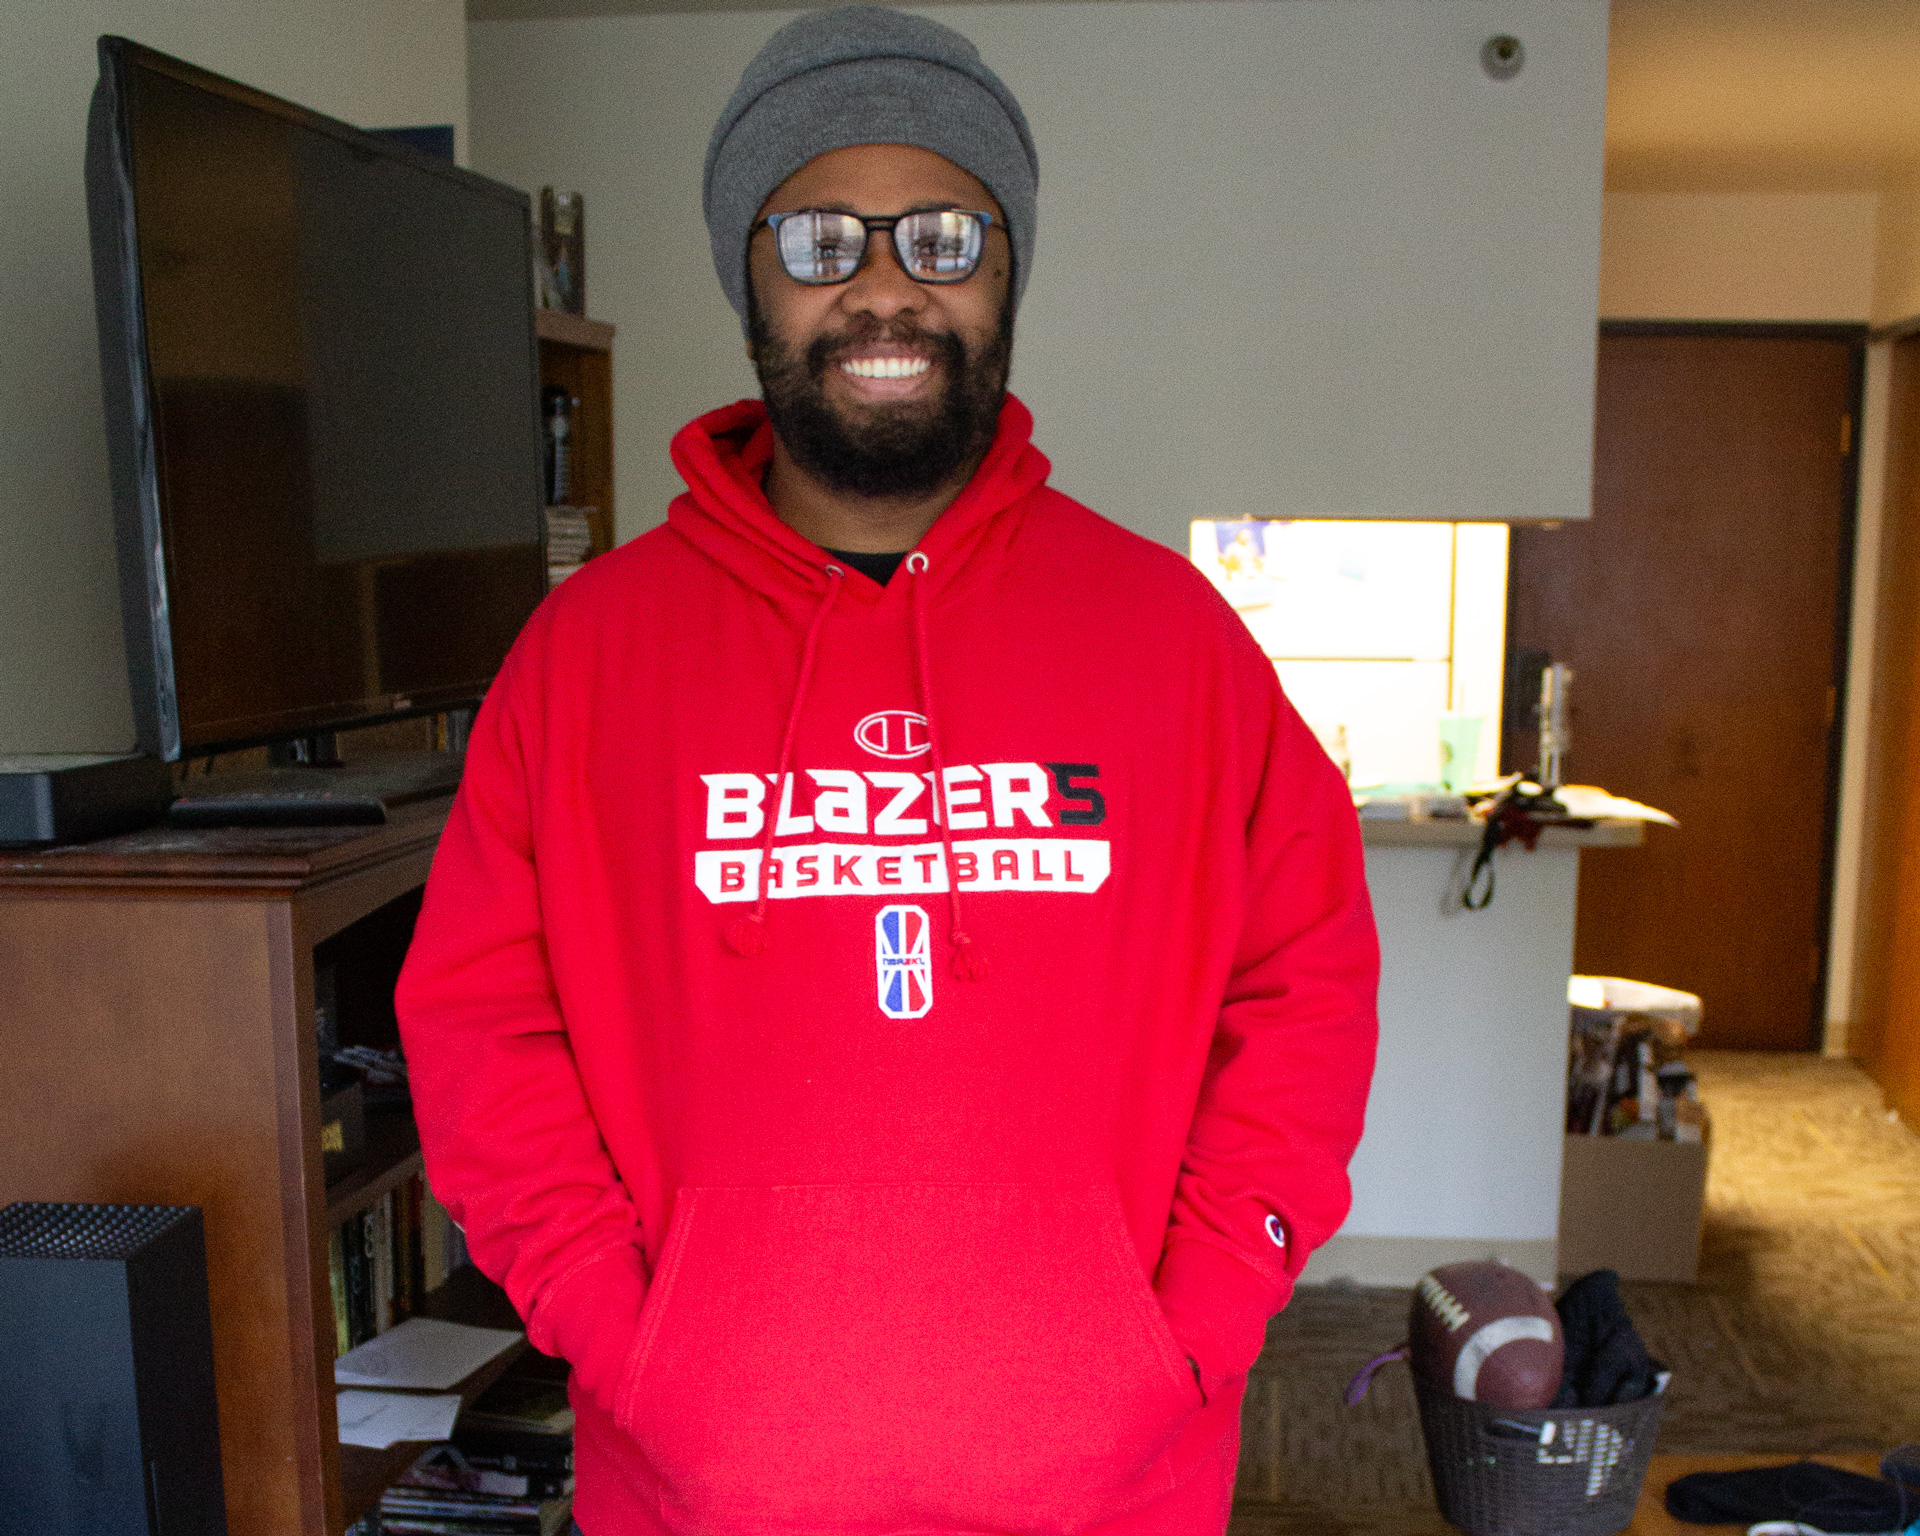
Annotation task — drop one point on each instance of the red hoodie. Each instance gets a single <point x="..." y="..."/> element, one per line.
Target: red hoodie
<point x="859" y="1203"/>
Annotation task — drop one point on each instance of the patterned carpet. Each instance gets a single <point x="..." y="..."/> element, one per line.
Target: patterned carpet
<point x="1803" y="1333"/>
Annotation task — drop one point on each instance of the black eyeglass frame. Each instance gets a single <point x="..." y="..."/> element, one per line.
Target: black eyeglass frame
<point x="891" y="224"/>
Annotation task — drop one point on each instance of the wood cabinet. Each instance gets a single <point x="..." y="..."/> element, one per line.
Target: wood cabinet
<point x="158" y="997"/>
<point x="577" y="353"/>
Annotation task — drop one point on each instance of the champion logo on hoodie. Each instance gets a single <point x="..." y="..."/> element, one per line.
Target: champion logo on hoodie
<point x="898" y="733"/>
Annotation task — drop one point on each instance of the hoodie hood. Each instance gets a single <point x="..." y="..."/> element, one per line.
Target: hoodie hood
<point x="725" y="513"/>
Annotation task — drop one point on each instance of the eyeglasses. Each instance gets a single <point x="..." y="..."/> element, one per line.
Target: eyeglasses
<point x="818" y="247"/>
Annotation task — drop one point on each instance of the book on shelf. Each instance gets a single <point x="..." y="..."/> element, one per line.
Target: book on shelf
<point x="528" y="1483"/>
<point x="378" y="1221"/>
<point x="551" y="1519"/>
<point x="544" y="1461"/>
<point x="508" y="1449"/>
<point x="435" y="1225"/>
<point x="337" y="1284"/>
<point x="522" y="1402"/>
<point x="354" y="1281"/>
<point x="474" y="1514"/>
<point x="475" y="1463"/>
<point x="383" y="1261"/>
<point x="407" y="1276"/>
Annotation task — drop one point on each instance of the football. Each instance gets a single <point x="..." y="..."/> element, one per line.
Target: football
<point x="1488" y="1333"/>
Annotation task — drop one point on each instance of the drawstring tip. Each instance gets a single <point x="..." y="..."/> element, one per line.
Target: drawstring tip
<point x="968" y="963"/>
<point x="747" y="936"/>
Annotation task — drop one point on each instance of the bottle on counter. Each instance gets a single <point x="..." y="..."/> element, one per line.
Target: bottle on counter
<point x="1555" y="714"/>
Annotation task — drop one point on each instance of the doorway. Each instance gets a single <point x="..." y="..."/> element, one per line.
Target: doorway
<point x="1884" y="1022"/>
<point x="1703" y="610"/>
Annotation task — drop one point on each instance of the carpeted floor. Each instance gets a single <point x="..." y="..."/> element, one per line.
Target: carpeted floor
<point x="1803" y="1333"/>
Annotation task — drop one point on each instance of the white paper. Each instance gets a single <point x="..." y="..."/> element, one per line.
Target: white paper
<point x="422" y="1352"/>
<point x="1584" y="801"/>
<point x="380" y="1419"/>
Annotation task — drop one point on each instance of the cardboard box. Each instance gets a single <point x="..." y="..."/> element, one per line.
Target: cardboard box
<point x="1632" y="1206"/>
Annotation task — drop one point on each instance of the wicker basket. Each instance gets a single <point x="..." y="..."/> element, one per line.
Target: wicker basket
<point x="1542" y="1472"/>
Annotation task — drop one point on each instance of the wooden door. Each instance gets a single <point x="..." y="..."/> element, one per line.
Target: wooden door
<point x="1701" y="610"/>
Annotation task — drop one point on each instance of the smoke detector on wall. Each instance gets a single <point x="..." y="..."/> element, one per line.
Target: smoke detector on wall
<point x="1502" y="56"/>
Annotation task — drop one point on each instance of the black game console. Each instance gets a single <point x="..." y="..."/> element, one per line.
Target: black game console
<point x="107" y="1413"/>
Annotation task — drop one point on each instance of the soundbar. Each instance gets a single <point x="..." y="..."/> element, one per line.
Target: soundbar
<point x="73" y="797"/>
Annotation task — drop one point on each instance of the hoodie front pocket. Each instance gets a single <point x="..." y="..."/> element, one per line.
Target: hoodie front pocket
<point x="897" y="1357"/>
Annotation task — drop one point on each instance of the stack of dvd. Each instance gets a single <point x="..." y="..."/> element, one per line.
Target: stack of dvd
<point x="508" y="1471"/>
<point x="457" y="1513"/>
<point x="569" y="542"/>
<point x="484" y="1483"/>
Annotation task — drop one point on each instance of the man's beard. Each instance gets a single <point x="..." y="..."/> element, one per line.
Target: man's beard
<point x="904" y="450"/>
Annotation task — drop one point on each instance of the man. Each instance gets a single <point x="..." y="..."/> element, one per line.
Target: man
<point x="894" y="1001"/>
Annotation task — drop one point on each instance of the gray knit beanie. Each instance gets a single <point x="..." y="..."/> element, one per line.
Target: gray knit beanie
<point x="862" y="74"/>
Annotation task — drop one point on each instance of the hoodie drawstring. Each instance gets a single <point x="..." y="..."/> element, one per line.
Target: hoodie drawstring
<point x="747" y="935"/>
<point x="968" y="963"/>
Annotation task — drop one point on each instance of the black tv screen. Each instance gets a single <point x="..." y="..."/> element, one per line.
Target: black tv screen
<point x="322" y="396"/>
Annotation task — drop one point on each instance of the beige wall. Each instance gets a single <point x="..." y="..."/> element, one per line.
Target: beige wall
<point x="1738" y="256"/>
<point x="1774" y="256"/>
<point x="1896" y="287"/>
<point x="1354" y="277"/>
<point x="378" y="63"/>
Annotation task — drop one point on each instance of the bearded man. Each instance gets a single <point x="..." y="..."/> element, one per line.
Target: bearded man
<point x="895" y="998"/>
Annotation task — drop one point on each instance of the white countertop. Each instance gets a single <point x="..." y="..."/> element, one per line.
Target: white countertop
<point x="1466" y="833"/>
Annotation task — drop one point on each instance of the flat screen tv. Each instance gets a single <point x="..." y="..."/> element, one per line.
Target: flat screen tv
<point x="322" y="399"/>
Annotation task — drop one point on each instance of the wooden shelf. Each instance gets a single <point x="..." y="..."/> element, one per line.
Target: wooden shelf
<point x="570" y="330"/>
<point x="467" y="1297"/>
<point x="392" y="1157"/>
<point x="576" y="354"/>
<point x="160" y="992"/>
<point x="228" y="861"/>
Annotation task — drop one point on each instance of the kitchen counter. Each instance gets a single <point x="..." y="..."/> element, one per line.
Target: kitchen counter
<point x="1461" y="1156"/>
<point x="1457" y="832"/>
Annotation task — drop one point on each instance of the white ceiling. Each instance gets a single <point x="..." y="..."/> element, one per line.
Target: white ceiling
<point x="1775" y="95"/>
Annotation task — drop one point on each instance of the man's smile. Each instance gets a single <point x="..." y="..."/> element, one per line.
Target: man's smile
<point x="886" y="367"/>
<point x="885" y="374"/>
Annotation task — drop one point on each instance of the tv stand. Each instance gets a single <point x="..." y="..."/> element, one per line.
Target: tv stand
<point x="360" y="793"/>
<point x="161" y="1049"/>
